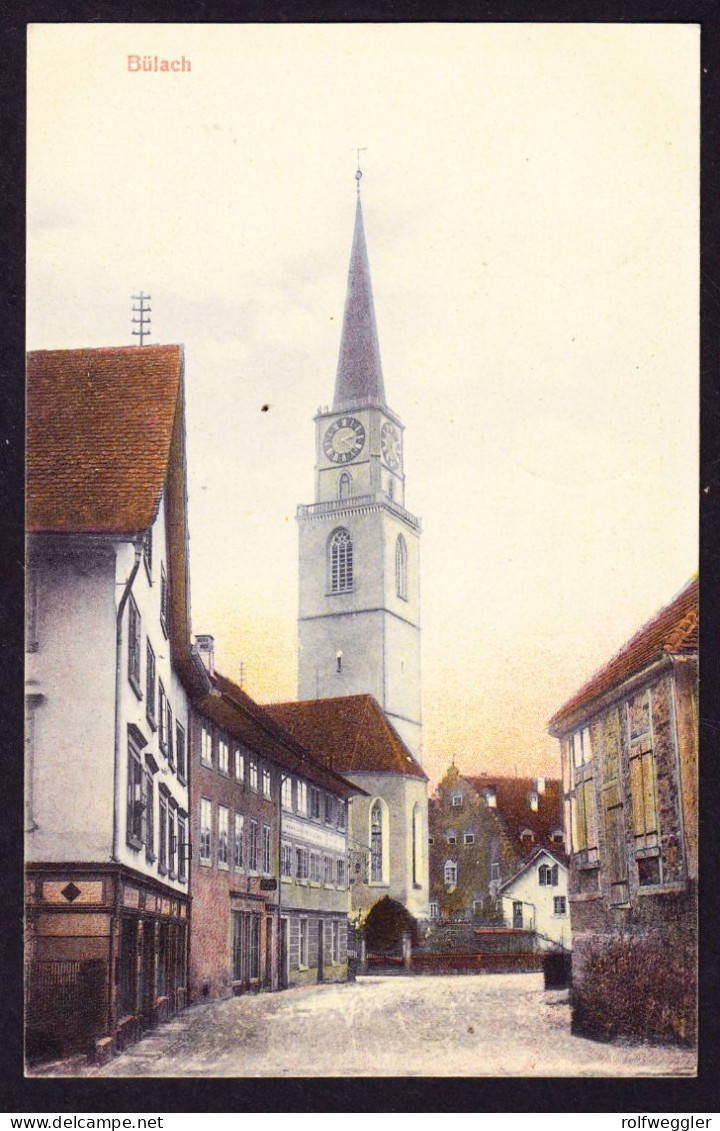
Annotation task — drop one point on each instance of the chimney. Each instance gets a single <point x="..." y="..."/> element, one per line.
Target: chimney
<point x="206" y="648"/>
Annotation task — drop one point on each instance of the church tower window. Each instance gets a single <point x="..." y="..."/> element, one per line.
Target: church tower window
<point x="341" y="562"/>
<point x="401" y="568"/>
<point x="345" y="485"/>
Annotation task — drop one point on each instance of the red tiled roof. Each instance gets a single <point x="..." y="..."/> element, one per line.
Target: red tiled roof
<point x="232" y="709"/>
<point x="349" y="734"/>
<point x="674" y="630"/>
<point x="513" y="807"/>
<point x="99" y="427"/>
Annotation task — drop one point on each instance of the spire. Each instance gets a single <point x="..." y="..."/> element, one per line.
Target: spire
<point x="359" y="378"/>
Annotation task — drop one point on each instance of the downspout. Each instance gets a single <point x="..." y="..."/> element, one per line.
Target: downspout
<point x="138" y="545"/>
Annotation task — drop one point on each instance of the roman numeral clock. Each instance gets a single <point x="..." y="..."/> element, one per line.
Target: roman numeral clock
<point x="344" y="440"/>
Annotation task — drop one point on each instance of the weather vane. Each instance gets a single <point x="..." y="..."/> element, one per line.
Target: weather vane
<point x="358" y="174"/>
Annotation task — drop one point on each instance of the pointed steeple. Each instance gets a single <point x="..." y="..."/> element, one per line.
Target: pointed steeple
<point x="359" y="378"/>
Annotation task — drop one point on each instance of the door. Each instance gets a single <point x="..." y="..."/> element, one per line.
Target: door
<point x="127" y="968"/>
<point x="321" y="950"/>
<point x="517" y="915"/>
<point x="147" y="975"/>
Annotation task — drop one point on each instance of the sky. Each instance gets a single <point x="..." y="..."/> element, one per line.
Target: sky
<point x="530" y="196"/>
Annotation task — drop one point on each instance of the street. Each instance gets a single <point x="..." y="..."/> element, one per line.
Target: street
<point x="476" y="1025"/>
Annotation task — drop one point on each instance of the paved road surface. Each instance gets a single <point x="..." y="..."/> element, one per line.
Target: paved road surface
<point x="475" y="1025"/>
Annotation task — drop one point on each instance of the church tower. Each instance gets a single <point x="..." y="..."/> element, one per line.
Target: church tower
<point x="359" y="609"/>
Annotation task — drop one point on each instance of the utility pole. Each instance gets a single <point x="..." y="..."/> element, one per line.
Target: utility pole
<point x="142" y="321"/>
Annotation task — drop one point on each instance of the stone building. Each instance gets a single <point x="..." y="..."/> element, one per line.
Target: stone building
<point x="483" y="829"/>
<point x="628" y="740"/>
<point x="109" y="671"/>
<point x="269" y="833"/>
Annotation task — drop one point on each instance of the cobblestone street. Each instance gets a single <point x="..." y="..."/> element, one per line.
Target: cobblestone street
<point x="477" y="1025"/>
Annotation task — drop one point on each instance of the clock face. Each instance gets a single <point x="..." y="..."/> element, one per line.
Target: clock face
<point x="390" y="443"/>
<point x="344" y="439"/>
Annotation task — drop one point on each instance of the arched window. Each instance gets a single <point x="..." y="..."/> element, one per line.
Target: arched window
<point x="345" y="485"/>
<point x="417" y="839"/>
<point x="401" y="568"/>
<point x="378" y="842"/>
<point x="544" y="875"/>
<point x="341" y="562"/>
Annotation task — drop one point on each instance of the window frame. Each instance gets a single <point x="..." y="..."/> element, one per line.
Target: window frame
<point x="223" y="837"/>
<point x="134" y="646"/>
<point x="205" y="837"/>
<point x="340" y="561"/>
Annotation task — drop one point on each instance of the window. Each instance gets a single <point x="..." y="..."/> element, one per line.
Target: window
<point x="642" y="773"/>
<point x="559" y="905"/>
<point x="329" y="870"/>
<point x="451" y="838"/>
<point x="302" y="798"/>
<point x="222" y="836"/>
<point x="148" y="551"/>
<point x="548" y="876"/>
<point x="182" y="847"/>
<point x="170" y="731"/>
<point x="286" y="794"/>
<point x="340" y="805"/>
<point x="239" y="765"/>
<point x="303" y="942"/>
<point x="266" y="843"/>
<point x="286" y="859"/>
<point x="136" y="799"/>
<point x="315" y="799"/>
<point x="416" y="844"/>
<point x="557" y="837"/>
<point x="223" y="756"/>
<point x="266" y="788"/>
<point x="527" y="836"/>
<point x="456" y="800"/>
<point x="344" y="485"/>
<point x="205" y="831"/>
<point x="494" y="870"/>
<point x="163" y="832"/>
<point x="162" y="717"/>
<point x="584" y="825"/>
<point x="490" y="796"/>
<point x="613" y="811"/>
<point x="431" y="840"/>
<point x="450" y="872"/>
<point x="434" y="909"/>
<point x="340" y="873"/>
<point x="238" y="823"/>
<point x="302" y="863"/>
<point x="468" y="838"/>
<point x="532" y="800"/>
<point x="206" y="746"/>
<point x="341" y="562"/>
<point x="171" y="840"/>
<point x="648" y="870"/>
<point x="150" y="684"/>
<point x="253" y="855"/>
<point x="315" y="867"/>
<point x="253" y="774"/>
<point x="134" y="643"/>
<point x="149" y="837"/>
<point x="376" y="843"/>
<point x="163" y="599"/>
<point x="329" y="809"/>
<point x="401" y="568"/>
<point x="180" y="752"/>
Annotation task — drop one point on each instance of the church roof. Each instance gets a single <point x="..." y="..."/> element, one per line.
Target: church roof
<point x="673" y="630"/>
<point x="349" y="734"/>
<point x="99" y="428"/>
<point x="359" y="378"/>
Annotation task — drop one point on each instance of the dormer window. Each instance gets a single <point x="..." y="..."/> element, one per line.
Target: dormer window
<point x="557" y="836"/>
<point x="527" y="836"/>
<point x="490" y="796"/>
<point x="451" y="837"/>
<point x="533" y="800"/>
<point x="456" y="800"/>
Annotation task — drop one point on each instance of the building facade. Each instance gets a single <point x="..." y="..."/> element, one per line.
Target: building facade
<point x="483" y="829"/>
<point x="269" y="834"/>
<point x="359" y="566"/>
<point x="629" y="754"/>
<point x="108" y="674"/>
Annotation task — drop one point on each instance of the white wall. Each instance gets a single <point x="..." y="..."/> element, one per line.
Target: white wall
<point x="538" y="905"/>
